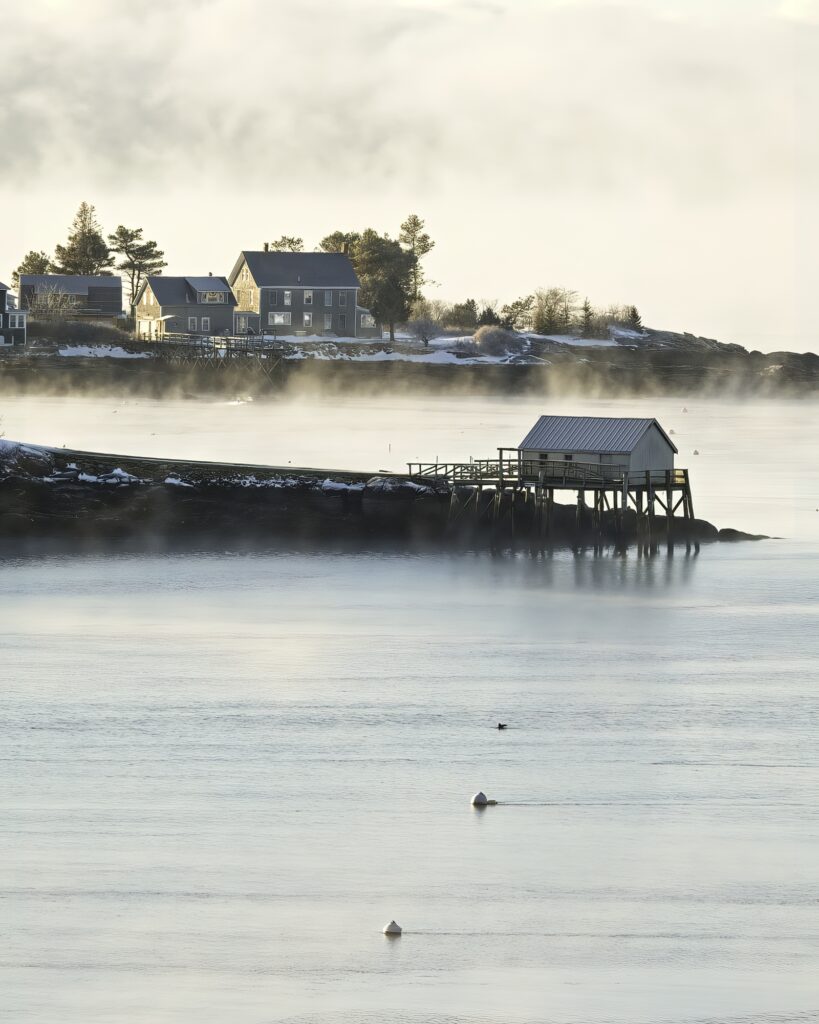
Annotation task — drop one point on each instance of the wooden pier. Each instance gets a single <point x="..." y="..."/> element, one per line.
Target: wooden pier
<point x="610" y="489"/>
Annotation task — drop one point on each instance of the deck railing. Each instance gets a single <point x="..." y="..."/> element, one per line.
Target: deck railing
<point x="546" y="472"/>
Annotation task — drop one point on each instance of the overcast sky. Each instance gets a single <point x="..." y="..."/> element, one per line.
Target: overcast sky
<point x="660" y="152"/>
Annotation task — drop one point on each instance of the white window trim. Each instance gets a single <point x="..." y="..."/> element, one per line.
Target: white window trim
<point x="308" y="319"/>
<point x="342" y="298"/>
<point x="285" y="321"/>
<point x="328" y="297"/>
<point x="288" y="299"/>
<point x="308" y="297"/>
<point x="191" y="323"/>
<point x="328" y="321"/>
<point x="206" y="323"/>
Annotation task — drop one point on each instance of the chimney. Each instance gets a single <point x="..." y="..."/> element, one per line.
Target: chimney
<point x="267" y="246"/>
<point x="210" y="273"/>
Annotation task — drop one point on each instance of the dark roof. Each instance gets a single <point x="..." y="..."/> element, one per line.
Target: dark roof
<point x="208" y="284"/>
<point x="181" y="291"/>
<point x="616" y="434"/>
<point x="70" y="284"/>
<point x="300" y="269"/>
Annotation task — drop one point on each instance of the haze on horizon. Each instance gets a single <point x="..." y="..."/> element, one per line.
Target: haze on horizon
<point x="660" y="152"/>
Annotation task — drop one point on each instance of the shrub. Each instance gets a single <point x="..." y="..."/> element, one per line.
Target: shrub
<point x="496" y="341"/>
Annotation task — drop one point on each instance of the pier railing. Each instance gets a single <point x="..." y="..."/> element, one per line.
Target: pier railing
<point x="545" y="472"/>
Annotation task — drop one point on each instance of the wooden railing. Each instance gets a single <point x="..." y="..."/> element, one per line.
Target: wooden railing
<point x="546" y="472"/>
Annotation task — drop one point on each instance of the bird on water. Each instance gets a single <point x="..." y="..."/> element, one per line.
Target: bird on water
<point x="501" y="725"/>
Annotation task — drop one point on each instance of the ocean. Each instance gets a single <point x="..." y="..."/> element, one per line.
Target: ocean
<point x="223" y="773"/>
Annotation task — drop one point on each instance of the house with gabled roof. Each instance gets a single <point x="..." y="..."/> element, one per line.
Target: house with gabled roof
<point x="71" y="295"/>
<point x="183" y="305"/>
<point x="12" y="321"/>
<point x="305" y="293"/>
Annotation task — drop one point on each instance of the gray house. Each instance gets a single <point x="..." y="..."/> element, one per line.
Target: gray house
<point x="183" y="305"/>
<point x="299" y="293"/>
<point x="12" y="321"/>
<point x="630" y="444"/>
<point x="72" y="295"/>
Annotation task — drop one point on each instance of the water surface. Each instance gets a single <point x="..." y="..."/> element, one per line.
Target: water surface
<point x="222" y="773"/>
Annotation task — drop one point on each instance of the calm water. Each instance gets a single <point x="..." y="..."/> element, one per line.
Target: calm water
<point x="222" y="774"/>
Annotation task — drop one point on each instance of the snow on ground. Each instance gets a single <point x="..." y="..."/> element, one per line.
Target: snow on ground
<point x="102" y="352"/>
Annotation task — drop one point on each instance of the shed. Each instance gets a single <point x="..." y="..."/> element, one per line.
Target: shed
<point x="630" y="443"/>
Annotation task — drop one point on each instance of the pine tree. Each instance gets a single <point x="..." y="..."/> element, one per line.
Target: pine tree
<point x="287" y="243"/>
<point x="633" y="318"/>
<point x="384" y="269"/>
<point x="488" y="317"/>
<point x="587" y="320"/>
<point x="340" y="241"/>
<point x="139" y="258"/>
<point x="86" y="251"/>
<point x="33" y="263"/>
<point x="418" y="243"/>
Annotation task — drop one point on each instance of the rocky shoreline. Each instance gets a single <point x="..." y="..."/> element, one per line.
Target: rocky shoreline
<point x="84" y="499"/>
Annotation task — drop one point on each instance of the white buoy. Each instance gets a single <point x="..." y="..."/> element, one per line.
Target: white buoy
<point x="392" y="928"/>
<point x="479" y="799"/>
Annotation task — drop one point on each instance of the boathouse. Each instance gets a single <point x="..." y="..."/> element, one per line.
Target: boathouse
<point x="632" y="445"/>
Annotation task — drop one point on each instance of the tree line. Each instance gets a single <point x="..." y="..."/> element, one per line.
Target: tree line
<point x="390" y="270"/>
<point x="88" y="253"/>
<point x="554" y="310"/>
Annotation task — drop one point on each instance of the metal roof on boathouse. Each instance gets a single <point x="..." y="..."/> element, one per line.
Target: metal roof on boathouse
<point x="614" y="434"/>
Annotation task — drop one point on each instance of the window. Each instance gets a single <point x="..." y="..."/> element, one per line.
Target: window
<point x="568" y="457"/>
<point x="211" y="297"/>
<point x="288" y="298"/>
<point x="191" y="323"/>
<point x="308" y="319"/>
<point x="16" y="320"/>
<point x="206" y="323"/>
<point x="342" y="298"/>
<point x="342" y="321"/>
<point x="274" y="298"/>
<point x="278" y="319"/>
<point x="328" y="298"/>
<point x="328" y="321"/>
<point x="367" y="320"/>
<point x="308" y="297"/>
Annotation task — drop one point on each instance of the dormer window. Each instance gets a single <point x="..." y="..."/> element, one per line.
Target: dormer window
<point x="211" y="297"/>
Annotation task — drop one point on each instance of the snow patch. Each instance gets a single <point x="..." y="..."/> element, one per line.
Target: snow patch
<point x="102" y="352"/>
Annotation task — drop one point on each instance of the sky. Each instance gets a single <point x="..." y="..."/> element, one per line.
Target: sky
<point x="656" y="152"/>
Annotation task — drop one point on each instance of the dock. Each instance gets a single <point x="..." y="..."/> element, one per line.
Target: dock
<point x="535" y="482"/>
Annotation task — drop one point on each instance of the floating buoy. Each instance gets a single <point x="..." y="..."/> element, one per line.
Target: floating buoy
<point x="696" y="452"/>
<point x="479" y="800"/>
<point x="392" y="928"/>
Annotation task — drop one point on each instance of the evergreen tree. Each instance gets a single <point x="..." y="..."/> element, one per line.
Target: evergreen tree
<point x="587" y="320"/>
<point x="416" y="241"/>
<point x="85" y="251"/>
<point x="340" y="241"/>
<point x="633" y="318"/>
<point x="518" y="314"/>
<point x="287" y="243"/>
<point x="488" y="317"/>
<point x="33" y="263"/>
<point x="138" y="257"/>
<point x="464" y="315"/>
<point x="384" y="269"/>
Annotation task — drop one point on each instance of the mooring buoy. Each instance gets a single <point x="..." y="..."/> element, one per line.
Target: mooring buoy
<point x="392" y="928"/>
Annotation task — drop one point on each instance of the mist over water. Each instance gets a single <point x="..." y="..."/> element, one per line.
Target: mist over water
<point x="223" y="774"/>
